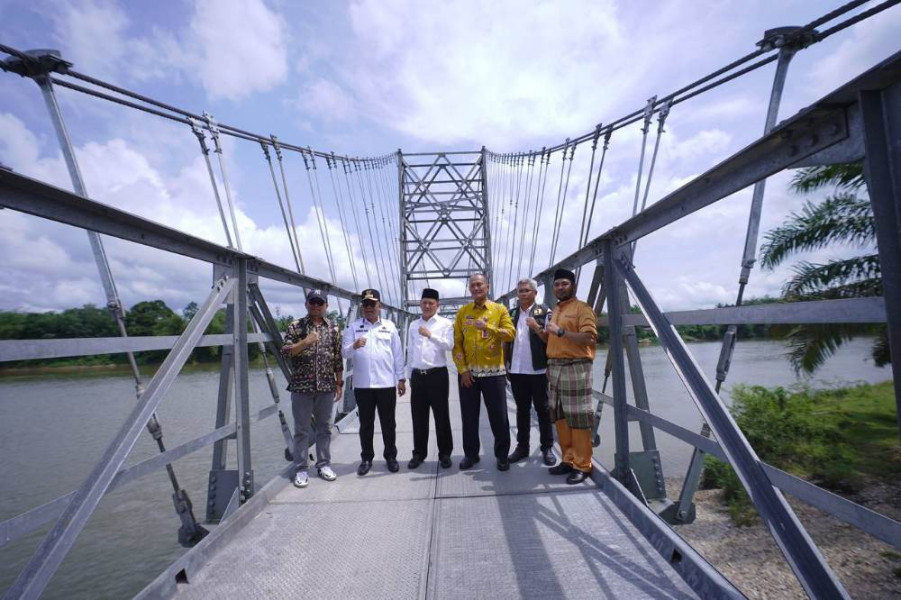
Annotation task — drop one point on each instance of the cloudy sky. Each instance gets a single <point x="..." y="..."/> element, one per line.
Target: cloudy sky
<point x="365" y="78"/>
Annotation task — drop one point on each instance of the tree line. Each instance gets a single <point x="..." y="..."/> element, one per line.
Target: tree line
<point x="147" y="318"/>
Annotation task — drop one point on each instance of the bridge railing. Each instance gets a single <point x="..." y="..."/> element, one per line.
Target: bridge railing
<point x="236" y="278"/>
<point x="859" y="121"/>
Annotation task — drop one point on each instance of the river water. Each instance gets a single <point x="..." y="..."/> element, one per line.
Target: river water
<point x="54" y="428"/>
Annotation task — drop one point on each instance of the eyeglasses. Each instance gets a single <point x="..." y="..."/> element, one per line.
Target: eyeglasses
<point x="317" y="302"/>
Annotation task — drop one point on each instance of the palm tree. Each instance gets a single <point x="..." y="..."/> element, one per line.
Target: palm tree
<point x="842" y="218"/>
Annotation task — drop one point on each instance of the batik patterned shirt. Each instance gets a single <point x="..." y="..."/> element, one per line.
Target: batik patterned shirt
<point x="314" y="368"/>
<point x="480" y="351"/>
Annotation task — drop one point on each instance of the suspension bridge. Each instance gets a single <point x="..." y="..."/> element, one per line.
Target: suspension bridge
<point x="428" y="217"/>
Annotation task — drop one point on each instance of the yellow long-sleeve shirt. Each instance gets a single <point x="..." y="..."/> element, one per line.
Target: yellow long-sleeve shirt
<point x="480" y="351"/>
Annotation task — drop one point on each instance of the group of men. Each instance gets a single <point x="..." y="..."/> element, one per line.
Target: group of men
<point x="546" y="355"/>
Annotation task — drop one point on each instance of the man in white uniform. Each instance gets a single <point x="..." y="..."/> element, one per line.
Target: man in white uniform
<point x="374" y="346"/>
<point x="429" y="338"/>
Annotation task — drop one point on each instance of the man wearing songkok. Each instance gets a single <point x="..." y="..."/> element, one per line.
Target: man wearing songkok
<point x="526" y="367"/>
<point x="313" y="350"/>
<point x="572" y="336"/>
<point x="429" y="339"/>
<point x="480" y="329"/>
<point x="374" y="345"/>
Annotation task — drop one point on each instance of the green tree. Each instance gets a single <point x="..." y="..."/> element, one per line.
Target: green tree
<point x="840" y="219"/>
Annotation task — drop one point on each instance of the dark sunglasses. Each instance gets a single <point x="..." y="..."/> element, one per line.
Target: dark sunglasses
<point x="317" y="302"/>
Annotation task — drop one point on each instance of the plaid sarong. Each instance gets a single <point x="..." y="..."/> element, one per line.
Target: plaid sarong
<point x="569" y="381"/>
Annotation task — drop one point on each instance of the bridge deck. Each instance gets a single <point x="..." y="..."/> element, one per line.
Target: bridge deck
<point x="438" y="534"/>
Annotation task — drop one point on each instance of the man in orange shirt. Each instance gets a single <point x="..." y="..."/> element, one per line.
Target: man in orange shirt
<point x="572" y="336"/>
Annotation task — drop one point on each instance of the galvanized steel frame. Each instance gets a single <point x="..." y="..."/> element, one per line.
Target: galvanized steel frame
<point x="438" y="198"/>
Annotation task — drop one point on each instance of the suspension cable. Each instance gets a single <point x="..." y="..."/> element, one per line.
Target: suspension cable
<point x="546" y="162"/>
<point x="525" y="221"/>
<point x="339" y="201"/>
<point x="205" y="150"/>
<point x="326" y="244"/>
<point x="281" y="167"/>
<point x="353" y="206"/>
<point x="281" y="205"/>
<point x="562" y="205"/>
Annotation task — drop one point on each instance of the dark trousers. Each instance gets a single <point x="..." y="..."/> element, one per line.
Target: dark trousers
<point x="528" y="391"/>
<point x="385" y="401"/>
<point x="494" y="390"/>
<point x="427" y="391"/>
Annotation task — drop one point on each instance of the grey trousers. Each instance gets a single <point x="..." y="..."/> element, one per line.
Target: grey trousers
<point x="314" y="404"/>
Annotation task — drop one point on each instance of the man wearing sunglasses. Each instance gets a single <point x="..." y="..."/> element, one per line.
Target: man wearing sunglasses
<point x="313" y="348"/>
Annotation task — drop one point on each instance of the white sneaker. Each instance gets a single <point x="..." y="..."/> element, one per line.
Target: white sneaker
<point x="327" y="473"/>
<point x="302" y="479"/>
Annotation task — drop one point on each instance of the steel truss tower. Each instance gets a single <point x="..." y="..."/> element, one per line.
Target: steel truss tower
<point x="444" y="231"/>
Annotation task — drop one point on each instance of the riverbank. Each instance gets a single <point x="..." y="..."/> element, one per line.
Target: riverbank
<point x="750" y="558"/>
<point x="852" y="449"/>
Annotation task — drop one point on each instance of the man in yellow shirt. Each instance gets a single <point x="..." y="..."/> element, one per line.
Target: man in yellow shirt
<point x="572" y="336"/>
<point x="480" y="330"/>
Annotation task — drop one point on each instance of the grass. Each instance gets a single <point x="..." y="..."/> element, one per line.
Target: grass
<point x="838" y="438"/>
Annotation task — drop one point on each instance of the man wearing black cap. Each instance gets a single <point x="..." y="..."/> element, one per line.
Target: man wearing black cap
<point x="428" y="341"/>
<point x="572" y="336"/>
<point x="313" y="348"/>
<point x="374" y="346"/>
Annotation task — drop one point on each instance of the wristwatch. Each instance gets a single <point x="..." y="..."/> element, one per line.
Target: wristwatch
<point x="560" y="332"/>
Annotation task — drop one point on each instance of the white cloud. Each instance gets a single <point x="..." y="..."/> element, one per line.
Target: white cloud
<point x="234" y="49"/>
<point x="93" y="33"/>
<point x="241" y="47"/>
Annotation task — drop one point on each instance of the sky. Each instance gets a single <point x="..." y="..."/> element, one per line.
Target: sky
<point x="369" y="77"/>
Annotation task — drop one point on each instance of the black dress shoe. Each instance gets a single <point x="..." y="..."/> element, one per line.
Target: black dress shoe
<point x="392" y="465"/>
<point x="445" y="462"/>
<point x="518" y="454"/>
<point x="561" y="469"/>
<point x="503" y="464"/>
<point x="467" y="462"/>
<point x="576" y="477"/>
<point x="414" y="462"/>
<point x="364" y="467"/>
<point x="549" y="458"/>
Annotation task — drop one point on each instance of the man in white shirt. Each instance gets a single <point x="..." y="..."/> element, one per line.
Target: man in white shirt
<point x="429" y="338"/>
<point x="378" y="362"/>
<point x="527" y="370"/>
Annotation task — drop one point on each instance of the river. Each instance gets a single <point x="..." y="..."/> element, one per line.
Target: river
<point x="53" y="429"/>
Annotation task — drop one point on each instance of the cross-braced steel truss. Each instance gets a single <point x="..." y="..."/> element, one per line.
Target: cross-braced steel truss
<point x="444" y="217"/>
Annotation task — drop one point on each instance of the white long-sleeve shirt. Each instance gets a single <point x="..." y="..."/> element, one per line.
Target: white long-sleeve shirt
<point x="380" y="363"/>
<point x="429" y="352"/>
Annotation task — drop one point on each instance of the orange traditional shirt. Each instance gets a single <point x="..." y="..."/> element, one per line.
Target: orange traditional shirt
<point x="572" y="315"/>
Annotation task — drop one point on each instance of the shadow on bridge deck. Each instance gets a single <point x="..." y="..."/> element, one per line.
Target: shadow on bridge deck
<point x="436" y="533"/>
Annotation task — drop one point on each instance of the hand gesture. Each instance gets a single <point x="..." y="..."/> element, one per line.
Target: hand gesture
<point x="312" y="338"/>
<point x="532" y="323"/>
<point x="424" y="331"/>
<point x="552" y="328"/>
<point x="359" y="342"/>
<point x="481" y="324"/>
<point x="466" y="379"/>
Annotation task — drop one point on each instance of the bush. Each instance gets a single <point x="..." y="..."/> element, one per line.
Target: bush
<point x="793" y="431"/>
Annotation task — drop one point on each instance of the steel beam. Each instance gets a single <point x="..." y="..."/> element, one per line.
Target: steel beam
<point x="242" y="382"/>
<point x="882" y="133"/>
<point x="43" y="564"/>
<point x="613" y="281"/>
<point x="845" y="310"/>
<point x="803" y="556"/>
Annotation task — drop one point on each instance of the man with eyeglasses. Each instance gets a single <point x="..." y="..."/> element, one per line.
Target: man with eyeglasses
<point x="313" y="348"/>
<point x="374" y="345"/>
<point x="527" y="370"/>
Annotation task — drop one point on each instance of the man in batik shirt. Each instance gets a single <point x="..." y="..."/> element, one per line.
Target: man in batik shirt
<point x="313" y="347"/>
